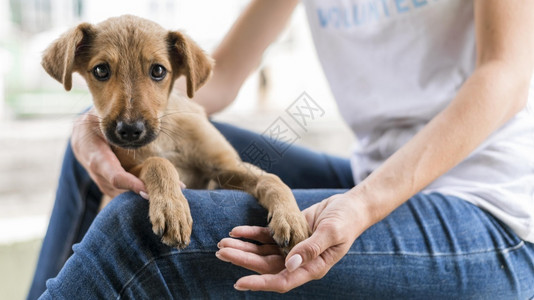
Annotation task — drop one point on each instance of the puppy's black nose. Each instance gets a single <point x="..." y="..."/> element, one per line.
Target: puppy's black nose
<point x="130" y="132"/>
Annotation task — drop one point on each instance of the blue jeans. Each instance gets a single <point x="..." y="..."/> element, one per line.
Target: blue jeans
<point x="432" y="247"/>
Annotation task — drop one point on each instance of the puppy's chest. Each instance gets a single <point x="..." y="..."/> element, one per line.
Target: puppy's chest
<point x="186" y="163"/>
<point x="190" y="169"/>
<point x="178" y="157"/>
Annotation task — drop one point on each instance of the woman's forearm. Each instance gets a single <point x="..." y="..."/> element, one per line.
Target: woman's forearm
<point x="241" y="50"/>
<point x="488" y="99"/>
<point x="495" y="92"/>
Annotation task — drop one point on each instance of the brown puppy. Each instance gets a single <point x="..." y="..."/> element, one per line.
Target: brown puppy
<point x="130" y="65"/>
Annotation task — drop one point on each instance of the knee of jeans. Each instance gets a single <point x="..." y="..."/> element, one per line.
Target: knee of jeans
<point x="122" y="223"/>
<point x="127" y="203"/>
<point x="124" y="212"/>
<point x="214" y="213"/>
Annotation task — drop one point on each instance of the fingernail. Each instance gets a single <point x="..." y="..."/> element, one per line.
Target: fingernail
<point x="218" y="255"/>
<point x="294" y="262"/>
<point x="230" y="234"/>
<point x="182" y="185"/>
<point x="240" y="289"/>
<point x="219" y="245"/>
<point x="144" y="195"/>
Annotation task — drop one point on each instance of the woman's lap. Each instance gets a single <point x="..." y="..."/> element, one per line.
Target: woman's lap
<point x="433" y="245"/>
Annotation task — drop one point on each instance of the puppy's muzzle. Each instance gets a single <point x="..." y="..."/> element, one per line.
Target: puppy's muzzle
<point x="129" y="134"/>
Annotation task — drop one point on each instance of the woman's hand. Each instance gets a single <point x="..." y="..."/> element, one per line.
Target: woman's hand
<point x="336" y="222"/>
<point x="96" y="156"/>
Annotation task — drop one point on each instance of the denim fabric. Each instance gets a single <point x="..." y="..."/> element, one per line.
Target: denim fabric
<point x="76" y="205"/>
<point x="431" y="247"/>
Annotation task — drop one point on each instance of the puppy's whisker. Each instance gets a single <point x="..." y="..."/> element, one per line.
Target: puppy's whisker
<point x="170" y="133"/>
<point x="76" y="122"/>
<point x="91" y="133"/>
<point x="175" y="113"/>
<point x="171" y="130"/>
<point x="93" y="115"/>
<point x="96" y="125"/>
<point x="166" y="133"/>
<point x="88" y="121"/>
<point x="131" y="151"/>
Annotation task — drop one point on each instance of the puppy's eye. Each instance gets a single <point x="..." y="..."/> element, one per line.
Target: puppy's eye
<point x="158" y="72"/>
<point x="102" y="72"/>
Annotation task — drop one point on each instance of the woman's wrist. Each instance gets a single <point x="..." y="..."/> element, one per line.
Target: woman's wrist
<point x="361" y="207"/>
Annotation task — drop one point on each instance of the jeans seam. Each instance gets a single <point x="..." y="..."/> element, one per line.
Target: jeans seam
<point x="502" y="251"/>
<point x="150" y="261"/>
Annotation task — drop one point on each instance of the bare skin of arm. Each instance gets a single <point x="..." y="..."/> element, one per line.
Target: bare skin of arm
<point x="495" y="92"/>
<point x="241" y="50"/>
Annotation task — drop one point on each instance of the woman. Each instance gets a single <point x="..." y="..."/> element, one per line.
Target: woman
<point x="442" y="206"/>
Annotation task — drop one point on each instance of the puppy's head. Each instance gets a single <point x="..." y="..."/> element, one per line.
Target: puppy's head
<point x="130" y="65"/>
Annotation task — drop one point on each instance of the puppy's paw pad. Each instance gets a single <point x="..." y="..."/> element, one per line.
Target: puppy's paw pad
<point x="288" y="228"/>
<point x="171" y="220"/>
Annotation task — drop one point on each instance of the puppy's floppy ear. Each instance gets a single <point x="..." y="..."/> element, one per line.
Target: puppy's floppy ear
<point x="188" y="59"/>
<point x="61" y="58"/>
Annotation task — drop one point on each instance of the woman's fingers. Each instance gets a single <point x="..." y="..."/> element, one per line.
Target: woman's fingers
<point x="268" y="264"/>
<point x="256" y="233"/>
<point x="122" y="180"/>
<point x="263" y="259"/>
<point x="283" y="281"/>
<point x="105" y="187"/>
<point x="111" y="177"/>
<point x="266" y="249"/>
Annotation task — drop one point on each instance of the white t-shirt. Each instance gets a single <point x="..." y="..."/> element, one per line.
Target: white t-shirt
<point x="392" y="66"/>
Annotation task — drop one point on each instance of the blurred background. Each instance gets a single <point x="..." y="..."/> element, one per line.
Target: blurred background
<point x="36" y="113"/>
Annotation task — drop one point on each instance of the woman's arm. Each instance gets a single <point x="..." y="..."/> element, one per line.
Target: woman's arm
<point x="241" y="50"/>
<point x="494" y="93"/>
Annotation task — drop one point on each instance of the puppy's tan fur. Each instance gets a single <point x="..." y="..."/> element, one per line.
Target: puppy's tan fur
<point x="183" y="144"/>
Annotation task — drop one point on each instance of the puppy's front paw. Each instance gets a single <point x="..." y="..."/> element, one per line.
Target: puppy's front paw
<point x="171" y="219"/>
<point x="288" y="228"/>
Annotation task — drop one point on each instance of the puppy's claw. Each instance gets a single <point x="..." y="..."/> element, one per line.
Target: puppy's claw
<point x="175" y="244"/>
<point x="171" y="220"/>
<point x="271" y="231"/>
<point x="288" y="228"/>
